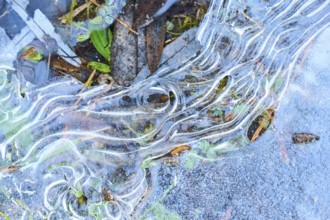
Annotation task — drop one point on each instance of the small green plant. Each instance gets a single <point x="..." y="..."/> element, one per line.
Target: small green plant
<point x="101" y="67"/>
<point x="278" y="84"/>
<point x="98" y="210"/>
<point x="191" y="160"/>
<point x="240" y="108"/>
<point x="181" y="23"/>
<point x="158" y="210"/>
<point x="222" y="84"/>
<point x="31" y="53"/>
<point x="101" y="40"/>
<point x="101" y="37"/>
<point x="96" y="31"/>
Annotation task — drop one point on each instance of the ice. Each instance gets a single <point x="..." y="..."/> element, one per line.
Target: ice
<point x="106" y="151"/>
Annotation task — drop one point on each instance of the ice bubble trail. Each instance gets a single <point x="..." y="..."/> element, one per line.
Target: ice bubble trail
<point x="73" y="153"/>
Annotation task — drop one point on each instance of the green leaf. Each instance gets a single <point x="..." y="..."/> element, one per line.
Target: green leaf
<point x="148" y="163"/>
<point x="162" y="213"/>
<point x="4" y="215"/>
<point x="33" y="54"/>
<point x="173" y="216"/>
<point x="277" y="85"/>
<point x="222" y="84"/>
<point x="213" y="151"/>
<point x="101" y="40"/>
<point x="101" y="67"/>
<point x="211" y="154"/>
<point x="96" y="20"/>
<point x="78" y="190"/>
<point x="159" y="210"/>
<point x="82" y="37"/>
<point x="22" y="204"/>
<point x="205" y="146"/>
<point x="190" y="162"/>
<point x="97" y="210"/>
<point x="169" y="26"/>
<point x="240" y="108"/>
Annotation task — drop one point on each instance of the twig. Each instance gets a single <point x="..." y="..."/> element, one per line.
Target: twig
<point x="170" y="40"/>
<point x="126" y="26"/>
<point x="95" y="3"/>
<point x="251" y="19"/>
<point x="71" y="14"/>
<point x="88" y="82"/>
<point x="99" y="96"/>
<point x="85" y="86"/>
<point x="49" y="58"/>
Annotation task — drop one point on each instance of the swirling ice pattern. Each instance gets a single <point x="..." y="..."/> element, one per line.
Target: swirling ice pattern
<point x="58" y="142"/>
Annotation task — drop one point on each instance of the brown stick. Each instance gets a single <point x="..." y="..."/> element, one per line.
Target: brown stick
<point x="74" y="13"/>
<point x="85" y="86"/>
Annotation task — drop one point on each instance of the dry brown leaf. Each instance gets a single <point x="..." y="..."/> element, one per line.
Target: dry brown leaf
<point x="155" y="40"/>
<point x="304" y="138"/>
<point x="178" y="150"/>
<point x="10" y="169"/>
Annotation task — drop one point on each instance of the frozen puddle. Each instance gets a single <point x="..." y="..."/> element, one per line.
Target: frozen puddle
<point x="68" y="153"/>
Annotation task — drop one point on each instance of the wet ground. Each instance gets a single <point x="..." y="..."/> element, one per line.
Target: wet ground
<point x="271" y="178"/>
